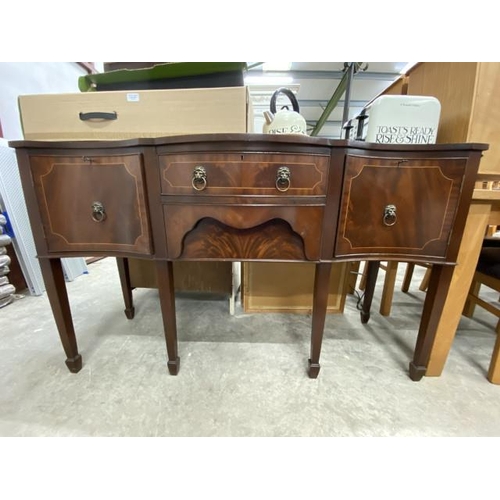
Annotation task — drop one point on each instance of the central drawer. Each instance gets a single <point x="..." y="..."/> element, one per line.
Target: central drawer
<point x="237" y="174"/>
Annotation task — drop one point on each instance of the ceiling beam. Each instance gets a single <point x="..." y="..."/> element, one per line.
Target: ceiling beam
<point x="312" y="103"/>
<point x="324" y="75"/>
<point x="327" y="122"/>
<point x="322" y="102"/>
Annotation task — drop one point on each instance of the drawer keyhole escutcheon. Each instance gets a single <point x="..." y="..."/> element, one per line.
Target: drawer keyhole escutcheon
<point x="283" y="179"/>
<point x="199" y="181"/>
<point x="390" y="216"/>
<point x="98" y="212"/>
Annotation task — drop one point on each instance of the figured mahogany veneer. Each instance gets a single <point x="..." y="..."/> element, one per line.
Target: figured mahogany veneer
<point x="245" y="174"/>
<point x="213" y="240"/>
<point x="66" y="188"/>
<point x="303" y="224"/>
<point x="333" y="205"/>
<point x="425" y="193"/>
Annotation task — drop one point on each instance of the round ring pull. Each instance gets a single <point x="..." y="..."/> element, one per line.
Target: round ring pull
<point x="390" y="216"/>
<point x="98" y="212"/>
<point x="199" y="181"/>
<point x="283" y="179"/>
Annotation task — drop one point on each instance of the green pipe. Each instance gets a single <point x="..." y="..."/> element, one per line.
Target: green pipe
<point x="254" y="65"/>
<point x="352" y="68"/>
<point x="339" y="91"/>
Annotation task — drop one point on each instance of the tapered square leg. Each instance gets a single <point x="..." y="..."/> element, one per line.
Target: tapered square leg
<point x="314" y="369"/>
<point x="173" y="366"/>
<point x="165" y="275"/>
<point x="416" y="372"/>
<point x="124" y="273"/>
<point x="320" y="303"/>
<point x="435" y="297"/>
<point x="371" y="281"/>
<point x="55" y="286"/>
<point x="74" y="364"/>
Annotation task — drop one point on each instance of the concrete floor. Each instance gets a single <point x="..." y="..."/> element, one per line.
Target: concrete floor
<point x="242" y="375"/>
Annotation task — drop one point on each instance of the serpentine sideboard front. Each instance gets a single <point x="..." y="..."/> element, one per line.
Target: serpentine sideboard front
<point x="247" y="197"/>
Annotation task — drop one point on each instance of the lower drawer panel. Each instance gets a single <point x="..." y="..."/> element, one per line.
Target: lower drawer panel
<point x="243" y="232"/>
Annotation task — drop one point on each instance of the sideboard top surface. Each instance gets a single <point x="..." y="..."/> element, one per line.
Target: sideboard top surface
<point x="248" y="139"/>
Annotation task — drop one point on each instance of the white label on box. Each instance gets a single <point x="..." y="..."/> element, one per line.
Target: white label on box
<point x="132" y="97"/>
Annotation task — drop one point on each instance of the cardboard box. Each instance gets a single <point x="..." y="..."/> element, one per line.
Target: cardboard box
<point x="209" y="277"/>
<point x="132" y="114"/>
<point x="288" y="287"/>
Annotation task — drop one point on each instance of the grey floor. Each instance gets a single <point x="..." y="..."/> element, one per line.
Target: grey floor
<point x="242" y="375"/>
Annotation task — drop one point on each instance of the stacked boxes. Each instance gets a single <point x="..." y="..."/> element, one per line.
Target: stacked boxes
<point x="6" y="289"/>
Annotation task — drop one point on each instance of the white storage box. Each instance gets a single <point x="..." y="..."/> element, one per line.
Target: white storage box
<point x="401" y="119"/>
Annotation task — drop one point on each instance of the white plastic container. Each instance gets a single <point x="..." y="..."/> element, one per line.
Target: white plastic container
<point x="401" y="119"/>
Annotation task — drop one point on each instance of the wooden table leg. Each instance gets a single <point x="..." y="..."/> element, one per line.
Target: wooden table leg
<point x="391" y="273"/>
<point x="410" y="267"/>
<point x="320" y="302"/>
<point x="435" y="298"/>
<point x="53" y="277"/>
<point x="494" y="368"/>
<point x="362" y="281"/>
<point x="165" y="274"/>
<point x="468" y="255"/>
<point x="123" y="271"/>
<point x="371" y="281"/>
<point x="353" y="270"/>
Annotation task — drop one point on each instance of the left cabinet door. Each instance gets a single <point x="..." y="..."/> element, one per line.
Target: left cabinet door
<point x="92" y="203"/>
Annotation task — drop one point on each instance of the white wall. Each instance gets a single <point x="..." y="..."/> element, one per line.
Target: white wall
<point x="32" y="78"/>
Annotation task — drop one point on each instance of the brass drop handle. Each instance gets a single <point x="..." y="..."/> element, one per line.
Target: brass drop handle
<point x="390" y="216"/>
<point x="199" y="181"/>
<point x="98" y="212"/>
<point x="283" y="179"/>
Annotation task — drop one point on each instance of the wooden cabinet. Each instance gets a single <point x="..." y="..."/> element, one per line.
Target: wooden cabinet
<point x="142" y="198"/>
<point x="92" y="203"/>
<point x="395" y="218"/>
<point x="470" y="102"/>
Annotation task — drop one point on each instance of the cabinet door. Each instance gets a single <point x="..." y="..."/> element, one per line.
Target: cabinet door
<point x="396" y="206"/>
<point x="92" y="203"/>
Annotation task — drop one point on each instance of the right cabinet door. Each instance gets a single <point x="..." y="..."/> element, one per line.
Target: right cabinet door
<point x="398" y="206"/>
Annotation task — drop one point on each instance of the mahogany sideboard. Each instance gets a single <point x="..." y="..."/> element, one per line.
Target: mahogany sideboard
<point x="246" y="197"/>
